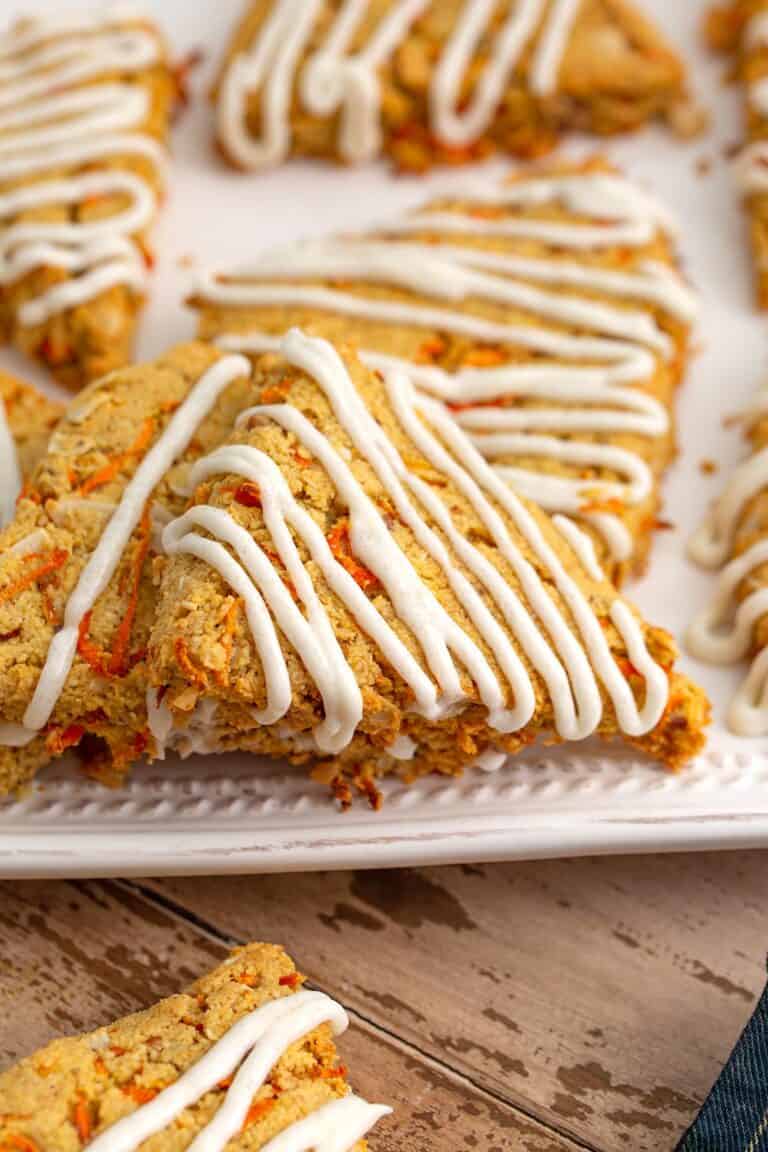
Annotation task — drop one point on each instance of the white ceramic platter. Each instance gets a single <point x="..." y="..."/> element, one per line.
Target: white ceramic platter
<point x="234" y="814"/>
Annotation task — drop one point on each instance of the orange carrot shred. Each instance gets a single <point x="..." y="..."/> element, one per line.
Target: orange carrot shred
<point x="58" y="557"/>
<point x="16" y="1143"/>
<point x="338" y="540"/>
<point x="82" y="1120"/>
<point x="248" y="495"/>
<point x="257" y="1110"/>
<point x="289" y="981"/>
<point x="59" y="739"/>
<point x="118" y="661"/>
<point x="112" y="469"/>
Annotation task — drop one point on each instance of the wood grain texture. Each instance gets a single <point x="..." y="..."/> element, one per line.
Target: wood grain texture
<point x="75" y="955"/>
<point x="601" y="996"/>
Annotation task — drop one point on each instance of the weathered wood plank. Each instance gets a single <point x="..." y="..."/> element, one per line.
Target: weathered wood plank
<point x="73" y="956"/>
<point x="599" y="995"/>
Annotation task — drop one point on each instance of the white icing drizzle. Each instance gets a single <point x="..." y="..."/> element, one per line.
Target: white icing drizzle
<point x="595" y="391"/>
<point x="248" y="1052"/>
<point x="723" y="632"/>
<point x="10" y="473"/>
<point x="103" y="561"/>
<point x="53" y="116"/>
<point x="570" y="667"/>
<point x="334" y="79"/>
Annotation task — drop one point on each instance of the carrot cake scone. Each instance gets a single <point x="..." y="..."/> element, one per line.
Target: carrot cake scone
<point x="425" y="81"/>
<point x="734" y="538"/>
<point x="308" y="560"/>
<point x="27" y="419"/>
<point x="741" y="28"/>
<point x="546" y="312"/>
<point x="244" y="1059"/>
<point x="85" y="99"/>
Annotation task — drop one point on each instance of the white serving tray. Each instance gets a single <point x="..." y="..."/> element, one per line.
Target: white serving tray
<point x="236" y="814"/>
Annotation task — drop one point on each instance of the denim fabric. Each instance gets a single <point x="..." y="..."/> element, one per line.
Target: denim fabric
<point x="734" y="1117"/>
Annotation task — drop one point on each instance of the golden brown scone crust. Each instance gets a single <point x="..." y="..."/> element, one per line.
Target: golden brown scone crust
<point x="64" y="1095"/>
<point x="617" y="73"/>
<point x="453" y="353"/>
<point x="92" y="338"/>
<point x="31" y="418"/>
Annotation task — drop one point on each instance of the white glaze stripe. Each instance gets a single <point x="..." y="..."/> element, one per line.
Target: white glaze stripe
<point x="249" y="1050"/>
<point x="49" y="122"/>
<point x="337" y="79"/>
<point x="570" y="667"/>
<point x="105" y="558"/>
<point x="10" y="473"/>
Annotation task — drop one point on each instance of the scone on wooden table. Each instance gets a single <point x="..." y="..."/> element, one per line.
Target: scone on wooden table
<point x="547" y="312"/>
<point x="425" y="81"/>
<point x="243" y="1059"/>
<point x="339" y="579"/>
<point x="85" y="100"/>
<point x="734" y="539"/>
<point x="741" y="29"/>
<point x="27" y="418"/>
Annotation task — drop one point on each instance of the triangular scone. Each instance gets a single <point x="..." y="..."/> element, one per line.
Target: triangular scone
<point x="85" y="101"/>
<point x="97" y="448"/>
<point x="27" y="418"/>
<point x="425" y="81"/>
<point x="350" y="583"/>
<point x="741" y="28"/>
<point x="548" y="312"/>
<point x="734" y="538"/>
<point x="244" y="1054"/>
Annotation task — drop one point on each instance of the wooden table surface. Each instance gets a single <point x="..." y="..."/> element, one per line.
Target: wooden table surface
<point x="540" y="1007"/>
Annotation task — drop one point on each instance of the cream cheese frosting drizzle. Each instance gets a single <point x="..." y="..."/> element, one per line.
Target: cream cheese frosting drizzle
<point x="338" y="78"/>
<point x="247" y="1053"/>
<point x="724" y="631"/>
<point x="573" y="662"/>
<point x="55" y="114"/>
<point x="10" y="473"/>
<point x="103" y="561"/>
<point x="587" y="383"/>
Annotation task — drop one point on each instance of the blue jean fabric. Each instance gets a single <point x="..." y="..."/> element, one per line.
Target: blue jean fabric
<point x="734" y="1117"/>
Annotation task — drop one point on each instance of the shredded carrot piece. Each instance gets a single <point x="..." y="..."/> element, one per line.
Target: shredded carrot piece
<point x="112" y="469"/>
<point x="55" y="354"/>
<point x="257" y="1110"/>
<point x="248" y="979"/>
<point x="336" y="1073"/>
<point x="627" y="667"/>
<point x="90" y="652"/>
<point x="338" y="539"/>
<point x="302" y="461"/>
<point x="118" y="662"/>
<point x="147" y="253"/>
<point x="59" y="739"/>
<point x="486" y="357"/>
<point x="139" y="1093"/>
<point x="58" y="557"/>
<point x="82" y="1120"/>
<point x="290" y="981"/>
<point x="186" y="665"/>
<point x="430" y="350"/>
<point x="248" y="495"/>
<point x="15" y="1143"/>
<point x="614" y="506"/>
